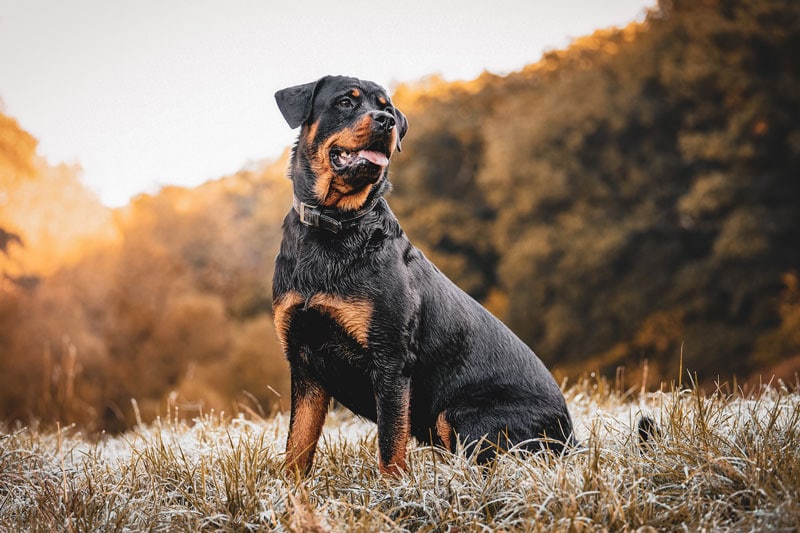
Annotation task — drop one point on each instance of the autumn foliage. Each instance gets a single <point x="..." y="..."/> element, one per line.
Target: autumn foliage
<point x="634" y="197"/>
<point x="173" y="311"/>
<point x="631" y="197"/>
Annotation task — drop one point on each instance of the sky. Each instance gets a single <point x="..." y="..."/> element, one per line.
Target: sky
<point x="147" y="93"/>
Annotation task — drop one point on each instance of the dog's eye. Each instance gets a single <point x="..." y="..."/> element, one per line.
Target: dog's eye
<point x="345" y="103"/>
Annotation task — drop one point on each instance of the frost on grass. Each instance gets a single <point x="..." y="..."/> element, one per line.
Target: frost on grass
<point x="719" y="462"/>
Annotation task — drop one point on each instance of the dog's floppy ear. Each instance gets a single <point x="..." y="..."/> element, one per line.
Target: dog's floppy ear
<point x="402" y="126"/>
<point x="295" y="102"/>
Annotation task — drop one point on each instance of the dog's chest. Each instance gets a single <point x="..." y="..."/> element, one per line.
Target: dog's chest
<point x="322" y="318"/>
<point x="322" y="288"/>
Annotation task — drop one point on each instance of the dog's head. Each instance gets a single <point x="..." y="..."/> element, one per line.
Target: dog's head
<point x="350" y="129"/>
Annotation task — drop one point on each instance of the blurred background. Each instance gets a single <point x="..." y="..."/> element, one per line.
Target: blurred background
<point x="627" y="201"/>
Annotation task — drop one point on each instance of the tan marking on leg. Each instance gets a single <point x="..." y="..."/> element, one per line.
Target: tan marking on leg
<point x="445" y="431"/>
<point x="397" y="461"/>
<point x="308" y="417"/>
<point x="282" y="311"/>
<point x="352" y="314"/>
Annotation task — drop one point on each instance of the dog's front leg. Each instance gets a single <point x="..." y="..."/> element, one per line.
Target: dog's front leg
<point x="309" y="408"/>
<point x="392" y="396"/>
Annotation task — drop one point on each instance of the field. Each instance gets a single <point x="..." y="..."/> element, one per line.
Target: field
<point x="719" y="462"/>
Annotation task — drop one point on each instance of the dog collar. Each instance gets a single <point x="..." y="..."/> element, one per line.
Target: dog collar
<point x="314" y="216"/>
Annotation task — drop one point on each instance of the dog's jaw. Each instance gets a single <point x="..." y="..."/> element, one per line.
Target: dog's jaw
<point x="346" y="166"/>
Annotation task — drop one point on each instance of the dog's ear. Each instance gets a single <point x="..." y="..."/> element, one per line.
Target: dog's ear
<point x="402" y="126"/>
<point x="295" y="102"/>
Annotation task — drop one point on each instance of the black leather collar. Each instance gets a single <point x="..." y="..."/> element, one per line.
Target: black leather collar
<point x="329" y="219"/>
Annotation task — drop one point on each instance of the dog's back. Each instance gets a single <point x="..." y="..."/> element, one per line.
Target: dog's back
<point x="475" y="374"/>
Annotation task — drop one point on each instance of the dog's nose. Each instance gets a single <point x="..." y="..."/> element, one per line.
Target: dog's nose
<point x="385" y="120"/>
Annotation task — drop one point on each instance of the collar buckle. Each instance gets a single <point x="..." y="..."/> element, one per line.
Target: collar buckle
<point x="309" y="214"/>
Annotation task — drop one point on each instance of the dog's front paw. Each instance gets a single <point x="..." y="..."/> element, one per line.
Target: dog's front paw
<point x="394" y="469"/>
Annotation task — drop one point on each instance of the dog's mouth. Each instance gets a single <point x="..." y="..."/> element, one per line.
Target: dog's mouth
<point x="376" y="154"/>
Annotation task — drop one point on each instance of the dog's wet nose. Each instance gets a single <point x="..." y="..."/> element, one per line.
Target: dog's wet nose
<point x="384" y="119"/>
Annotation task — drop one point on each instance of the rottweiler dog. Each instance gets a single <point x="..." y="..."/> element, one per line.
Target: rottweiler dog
<point x="365" y="318"/>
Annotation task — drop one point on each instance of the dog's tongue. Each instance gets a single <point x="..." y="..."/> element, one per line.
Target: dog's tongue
<point x="376" y="158"/>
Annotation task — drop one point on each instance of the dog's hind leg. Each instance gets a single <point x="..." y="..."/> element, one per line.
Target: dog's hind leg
<point x="487" y="431"/>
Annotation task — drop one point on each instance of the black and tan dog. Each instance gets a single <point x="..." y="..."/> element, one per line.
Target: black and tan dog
<point x="365" y="318"/>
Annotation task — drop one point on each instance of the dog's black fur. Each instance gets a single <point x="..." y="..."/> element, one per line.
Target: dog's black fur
<point x="366" y="319"/>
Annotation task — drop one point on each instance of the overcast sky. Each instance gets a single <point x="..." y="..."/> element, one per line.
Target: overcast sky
<point x="146" y="93"/>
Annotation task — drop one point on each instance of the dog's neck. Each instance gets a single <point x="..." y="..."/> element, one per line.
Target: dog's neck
<point x="335" y="220"/>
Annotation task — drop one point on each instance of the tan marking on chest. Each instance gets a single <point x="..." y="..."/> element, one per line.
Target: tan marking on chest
<point x="282" y="310"/>
<point x="353" y="315"/>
